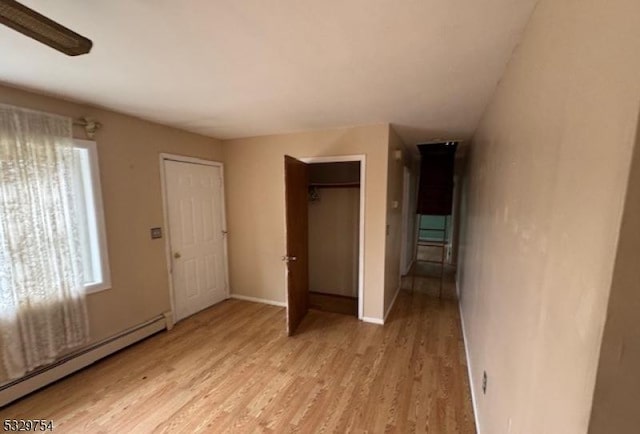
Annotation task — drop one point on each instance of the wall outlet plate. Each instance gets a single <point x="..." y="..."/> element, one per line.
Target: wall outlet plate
<point x="156" y="233"/>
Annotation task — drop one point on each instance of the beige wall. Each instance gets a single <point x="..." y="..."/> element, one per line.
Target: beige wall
<point x="616" y="402"/>
<point x="394" y="217"/>
<point x="333" y="241"/>
<point x="255" y="206"/>
<point x="548" y="170"/>
<point x="128" y="150"/>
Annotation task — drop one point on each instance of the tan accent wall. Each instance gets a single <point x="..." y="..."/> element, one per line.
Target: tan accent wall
<point x="333" y="241"/>
<point x="616" y="402"/>
<point x="395" y="173"/>
<point x="128" y="151"/>
<point x="548" y="173"/>
<point x="255" y="206"/>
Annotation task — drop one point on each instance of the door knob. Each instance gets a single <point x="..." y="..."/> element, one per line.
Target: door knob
<point x="177" y="255"/>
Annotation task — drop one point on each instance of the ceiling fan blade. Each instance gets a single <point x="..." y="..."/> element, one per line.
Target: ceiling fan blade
<point x="37" y="26"/>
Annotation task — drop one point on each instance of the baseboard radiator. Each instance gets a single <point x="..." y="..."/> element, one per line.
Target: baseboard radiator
<point x="75" y="361"/>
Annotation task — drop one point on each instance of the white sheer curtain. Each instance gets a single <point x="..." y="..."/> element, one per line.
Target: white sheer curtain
<point x="42" y="301"/>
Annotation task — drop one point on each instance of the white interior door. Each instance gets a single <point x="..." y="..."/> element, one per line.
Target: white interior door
<point x="195" y="209"/>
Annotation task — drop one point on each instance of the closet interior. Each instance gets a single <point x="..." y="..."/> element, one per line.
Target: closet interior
<point x="334" y="227"/>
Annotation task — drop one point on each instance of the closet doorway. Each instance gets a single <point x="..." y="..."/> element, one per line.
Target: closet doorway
<point x="334" y="217"/>
<point x="334" y="223"/>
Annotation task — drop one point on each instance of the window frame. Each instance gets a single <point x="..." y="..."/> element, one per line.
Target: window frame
<point x="96" y="188"/>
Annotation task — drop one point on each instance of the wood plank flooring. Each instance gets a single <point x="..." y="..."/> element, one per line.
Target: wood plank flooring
<point x="232" y="368"/>
<point x="333" y="303"/>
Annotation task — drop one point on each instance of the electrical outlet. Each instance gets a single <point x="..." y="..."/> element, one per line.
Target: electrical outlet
<point x="156" y="233"/>
<point x="484" y="383"/>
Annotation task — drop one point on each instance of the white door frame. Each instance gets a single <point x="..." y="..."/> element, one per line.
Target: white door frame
<point x="165" y="212"/>
<point x="363" y="169"/>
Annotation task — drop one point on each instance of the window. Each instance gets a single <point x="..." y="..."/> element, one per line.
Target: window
<point x="91" y="229"/>
<point x="51" y="232"/>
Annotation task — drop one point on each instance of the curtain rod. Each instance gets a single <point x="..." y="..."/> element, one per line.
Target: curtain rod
<point x="90" y="125"/>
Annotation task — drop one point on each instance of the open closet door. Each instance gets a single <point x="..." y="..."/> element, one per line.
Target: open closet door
<point x="296" y="174"/>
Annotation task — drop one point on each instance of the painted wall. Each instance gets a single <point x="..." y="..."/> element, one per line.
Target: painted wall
<point x="616" y="401"/>
<point x="395" y="181"/>
<point x="255" y="207"/>
<point x="333" y="241"/>
<point x="548" y="172"/>
<point x="128" y="152"/>
<point x="335" y="173"/>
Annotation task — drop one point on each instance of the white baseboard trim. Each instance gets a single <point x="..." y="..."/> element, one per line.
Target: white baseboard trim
<point x="78" y="360"/>
<point x="168" y="318"/>
<point x="470" y="371"/>
<point x="378" y="321"/>
<point x="386" y="314"/>
<point x="258" y="300"/>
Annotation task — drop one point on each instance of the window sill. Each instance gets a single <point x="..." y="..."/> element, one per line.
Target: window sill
<point x="92" y="289"/>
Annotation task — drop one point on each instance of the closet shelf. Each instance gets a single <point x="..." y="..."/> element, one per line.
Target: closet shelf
<point x="335" y="185"/>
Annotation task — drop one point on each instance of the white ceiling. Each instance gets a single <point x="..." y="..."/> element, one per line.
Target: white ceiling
<point x="243" y="68"/>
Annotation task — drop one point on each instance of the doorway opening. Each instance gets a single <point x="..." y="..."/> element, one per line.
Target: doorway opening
<point x="334" y="222"/>
<point x="325" y="236"/>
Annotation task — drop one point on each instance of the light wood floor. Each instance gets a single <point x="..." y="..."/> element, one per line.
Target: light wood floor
<point x="231" y="368"/>
<point x="333" y="303"/>
<point x="428" y="280"/>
